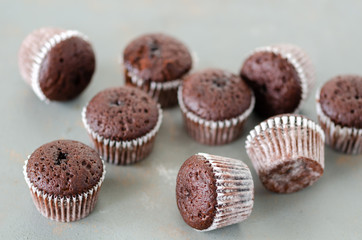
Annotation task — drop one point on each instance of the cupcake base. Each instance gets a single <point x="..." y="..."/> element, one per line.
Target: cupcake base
<point x="287" y="152"/>
<point x="344" y="139"/>
<point x="123" y="152"/>
<point x="213" y="132"/>
<point x="64" y="209"/>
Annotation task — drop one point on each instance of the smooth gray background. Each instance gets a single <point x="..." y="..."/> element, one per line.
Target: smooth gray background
<point x="138" y="202"/>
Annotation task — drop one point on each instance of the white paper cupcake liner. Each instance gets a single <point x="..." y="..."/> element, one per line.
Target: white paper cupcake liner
<point x="64" y="209"/>
<point x="163" y="92"/>
<point x="213" y="132"/>
<point x="343" y="139"/>
<point x="123" y="152"/>
<point x="234" y="189"/>
<point x="292" y="144"/>
<point x="299" y="60"/>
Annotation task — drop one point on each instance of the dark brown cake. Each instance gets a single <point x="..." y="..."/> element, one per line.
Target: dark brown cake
<point x="123" y="123"/>
<point x="215" y="105"/>
<point x="57" y="63"/>
<point x="64" y="178"/>
<point x="196" y="192"/>
<point x="67" y="69"/>
<point x="64" y="168"/>
<point x="214" y="191"/>
<point x="341" y="100"/>
<point x="156" y="63"/>
<point x="122" y="113"/>
<point x="275" y="82"/>
<point x="339" y="109"/>
<point x="291" y="176"/>
<point x="215" y="94"/>
<point x="157" y="57"/>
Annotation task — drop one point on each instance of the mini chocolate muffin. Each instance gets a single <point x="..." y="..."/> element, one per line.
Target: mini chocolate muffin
<point x="287" y="152"/>
<point x="122" y="123"/>
<point x="215" y="105"/>
<point x="57" y="63"/>
<point x="156" y="63"/>
<point x="339" y="109"/>
<point x="214" y="192"/>
<point x="281" y="77"/>
<point x="64" y="178"/>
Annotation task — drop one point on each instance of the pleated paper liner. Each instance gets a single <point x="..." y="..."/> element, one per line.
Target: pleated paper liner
<point x="287" y="152"/>
<point x="234" y="189"/>
<point x="64" y="209"/>
<point x="164" y="93"/>
<point x="123" y="152"/>
<point x="213" y="132"/>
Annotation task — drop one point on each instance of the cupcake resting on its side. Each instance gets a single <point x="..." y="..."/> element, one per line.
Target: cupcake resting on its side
<point x="214" y="191"/>
<point x="64" y="178"/>
<point x="58" y="64"/>
<point x="281" y="77"/>
<point x="156" y="63"/>
<point x="287" y="152"/>
<point x="122" y="123"/>
<point x="215" y="105"/>
<point x="339" y="109"/>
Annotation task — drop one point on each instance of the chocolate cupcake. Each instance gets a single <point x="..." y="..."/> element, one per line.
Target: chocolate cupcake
<point x="122" y="123"/>
<point x="339" y="109"/>
<point x="57" y="63"/>
<point x="287" y="152"/>
<point x="281" y="77"/>
<point x="215" y="105"/>
<point x="156" y="63"/>
<point x="214" y="192"/>
<point x="64" y="178"/>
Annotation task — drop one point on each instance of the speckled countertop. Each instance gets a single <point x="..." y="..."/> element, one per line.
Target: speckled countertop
<point x="138" y="202"/>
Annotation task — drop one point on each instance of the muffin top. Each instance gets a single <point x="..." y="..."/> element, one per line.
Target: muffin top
<point x="122" y="113"/>
<point x="341" y="100"/>
<point x="64" y="168"/>
<point x="275" y="82"/>
<point x="157" y="58"/>
<point x="67" y="69"/>
<point x="215" y="94"/>
<point x="196" y="192"/>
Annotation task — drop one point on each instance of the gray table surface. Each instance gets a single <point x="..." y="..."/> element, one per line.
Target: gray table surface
<point x="138" y="202"/>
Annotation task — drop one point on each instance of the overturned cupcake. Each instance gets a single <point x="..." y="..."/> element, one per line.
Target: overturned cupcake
<point x="123" y="123"/>
<point x="281" y="77"/>
<point x="339" y="109"/>
<point x="214" y="192"/>
<point x="287" y="152"/>
<point x="64" y="178"/>
<point x="215" y="105"/>
<point x="156" y="63"/>
<point x="57" y="63"/>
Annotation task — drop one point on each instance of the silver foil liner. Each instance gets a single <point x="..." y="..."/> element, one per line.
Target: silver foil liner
<point x="123" y="152"/>
<point x="285" y="148"/>
<point x="34" y="50"/>
<point x="299" y="60"/>
<point x="344" y="139"/>
<point x="213" y="132"/>
<point x="64" y="209"/>
<point x="234" y="189"/>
